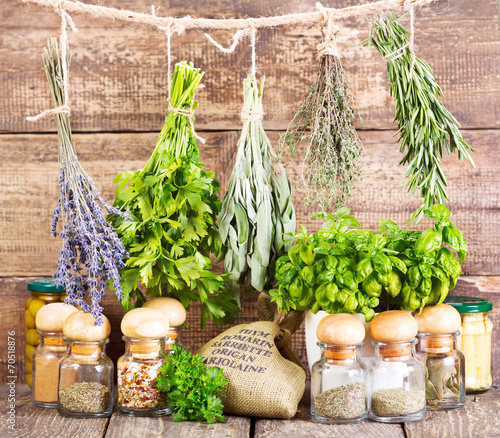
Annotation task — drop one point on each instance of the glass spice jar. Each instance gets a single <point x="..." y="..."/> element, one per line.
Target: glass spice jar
<point x="86" y="380"/>
<point x="42" y="292"/>
<point x="137" y="371"/>
<point x="46" y="361"/>
<point x="397" y="383"/>
<point x="173" y="338"/>
<point x="474" y="341"/>
<point x="338" y="385"/>
<point x="444" y="370"/>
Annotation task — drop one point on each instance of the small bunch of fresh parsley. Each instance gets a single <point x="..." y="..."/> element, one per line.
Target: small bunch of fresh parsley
<point x="190" y="387"/>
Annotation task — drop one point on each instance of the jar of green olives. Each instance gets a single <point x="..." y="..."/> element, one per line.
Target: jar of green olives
<point x="43" y="292"/>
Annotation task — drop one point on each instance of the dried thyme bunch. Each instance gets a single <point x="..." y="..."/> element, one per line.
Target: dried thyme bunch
<point x="326" y="119"/>
<point x="92" y="253"/>
<point x="257" y="208"/>
<point x="426" y="128"/>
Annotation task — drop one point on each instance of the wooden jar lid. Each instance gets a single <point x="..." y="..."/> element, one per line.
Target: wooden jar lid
<point x="170" y="307"/>
<point x="439" y="319"/>
<point x="50" y="318"/>
<point x="340" y="329"/>
<point x="145" y="323"/>
<point x="80" y="326"/>
<point x="393" y="326"/>
<point x="341" y="332"/>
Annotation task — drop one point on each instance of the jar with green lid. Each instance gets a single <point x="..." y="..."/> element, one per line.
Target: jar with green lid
<point x="43" y="292"/>
<point x="474" y="341"/>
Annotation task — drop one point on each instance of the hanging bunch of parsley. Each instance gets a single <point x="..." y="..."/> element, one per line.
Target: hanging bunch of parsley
<point x="173" y="204"/>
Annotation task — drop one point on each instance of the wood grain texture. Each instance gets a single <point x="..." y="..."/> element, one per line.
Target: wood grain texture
<point x="129" y="427"/>
<point x="45" y="423"/>
<point x="478" y="418"/>
<point x="118" y="79"/>
<point x="13" y="295"/>
<point x="28" y="177"/>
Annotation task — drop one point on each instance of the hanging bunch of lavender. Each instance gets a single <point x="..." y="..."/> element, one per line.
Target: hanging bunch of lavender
<point x="325" y="120"/>
<point x="92" y="253"/>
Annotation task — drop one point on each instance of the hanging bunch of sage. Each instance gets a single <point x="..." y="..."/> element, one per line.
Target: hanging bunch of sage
<point x="426" y="128"/>
<point x="173" y="204"/>
<point x="325" y="120"/>
<point x="92" y="253"/>
<point x="257" y="209"/>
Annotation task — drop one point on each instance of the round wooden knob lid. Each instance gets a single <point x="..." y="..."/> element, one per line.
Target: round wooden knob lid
<point x="145" y="323"/>
<point x="170" y="307"/>
<point x="80" y="326"/>
<point x="340" y="329"/>
<point x="440" y="319"/>
<point x="50" y="318"/>
<point x="393" y="326"/>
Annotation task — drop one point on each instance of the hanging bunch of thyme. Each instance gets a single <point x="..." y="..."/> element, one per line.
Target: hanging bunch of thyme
<point x="92" y="253"/>
<point x="325" y="120"/>
<point x="257" y="209"/>
<point x="426" y="128"/>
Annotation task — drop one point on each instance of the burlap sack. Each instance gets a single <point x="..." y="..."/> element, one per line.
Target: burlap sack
<point x="261" y="382"/>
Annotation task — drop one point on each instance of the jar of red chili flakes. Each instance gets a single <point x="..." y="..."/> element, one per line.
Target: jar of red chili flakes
<point x="145" y="337"/>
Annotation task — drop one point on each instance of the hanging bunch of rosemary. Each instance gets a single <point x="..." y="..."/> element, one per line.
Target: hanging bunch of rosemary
<point x="92" y="253"/>
<point x="173" y="204"/>
<point x="426" y="128"/>
<point x="257" y="208"/>
<point x="325" y="120"/>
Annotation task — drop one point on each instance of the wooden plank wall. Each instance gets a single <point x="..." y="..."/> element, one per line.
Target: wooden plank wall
<point x="118" y="91"/>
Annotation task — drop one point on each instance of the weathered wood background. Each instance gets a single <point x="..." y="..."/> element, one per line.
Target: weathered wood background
<point x="118" y="91"/>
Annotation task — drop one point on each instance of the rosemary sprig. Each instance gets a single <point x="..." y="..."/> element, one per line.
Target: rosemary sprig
<point x="325" y="119"/>
<point x="426" y="128"/>
<point x="92" y="253"/>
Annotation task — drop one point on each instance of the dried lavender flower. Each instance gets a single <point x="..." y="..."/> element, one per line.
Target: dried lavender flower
<point x="92" y="253"/>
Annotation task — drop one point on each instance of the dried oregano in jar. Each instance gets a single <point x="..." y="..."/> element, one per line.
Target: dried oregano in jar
<point x="338" y="379"/>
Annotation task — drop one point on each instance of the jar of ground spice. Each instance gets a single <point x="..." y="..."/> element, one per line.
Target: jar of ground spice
<point x="86" y="373"/>
<point x="338" y="380"/>
<point x="176" y="314"/>
<point x="145" y="331"/>
<point x="438" y="329"/>
<point x="43" y="292"/>
<point x="50" y="351"/>
<point x="396" y="377"/>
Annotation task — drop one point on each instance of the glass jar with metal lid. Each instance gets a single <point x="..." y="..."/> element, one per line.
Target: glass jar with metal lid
<point x="43" y="292"/>
<point x="474" y="341"/>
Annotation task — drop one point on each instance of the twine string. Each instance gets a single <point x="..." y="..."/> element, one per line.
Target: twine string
<point x="235" y="40"/>
<point x="66" y="21"/>
<point x="410" y="45"/>
<point x="189" y="113"/>
<point x="253" y="37"/>
<point x="227" y="24"/>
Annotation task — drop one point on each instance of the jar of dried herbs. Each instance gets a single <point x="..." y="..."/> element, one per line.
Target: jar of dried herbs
<point x="397" y="376"/>
<point x="86" y="373"/>
<point x="439" y="328"/>
<point x="338" y="379"/>
<point x="138" y="370"/>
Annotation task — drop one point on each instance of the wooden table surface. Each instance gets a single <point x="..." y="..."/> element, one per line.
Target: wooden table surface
<point x="479" y="418"/>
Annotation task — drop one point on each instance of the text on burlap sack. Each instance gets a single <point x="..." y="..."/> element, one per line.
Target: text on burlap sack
<point x="241" y="350"/>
